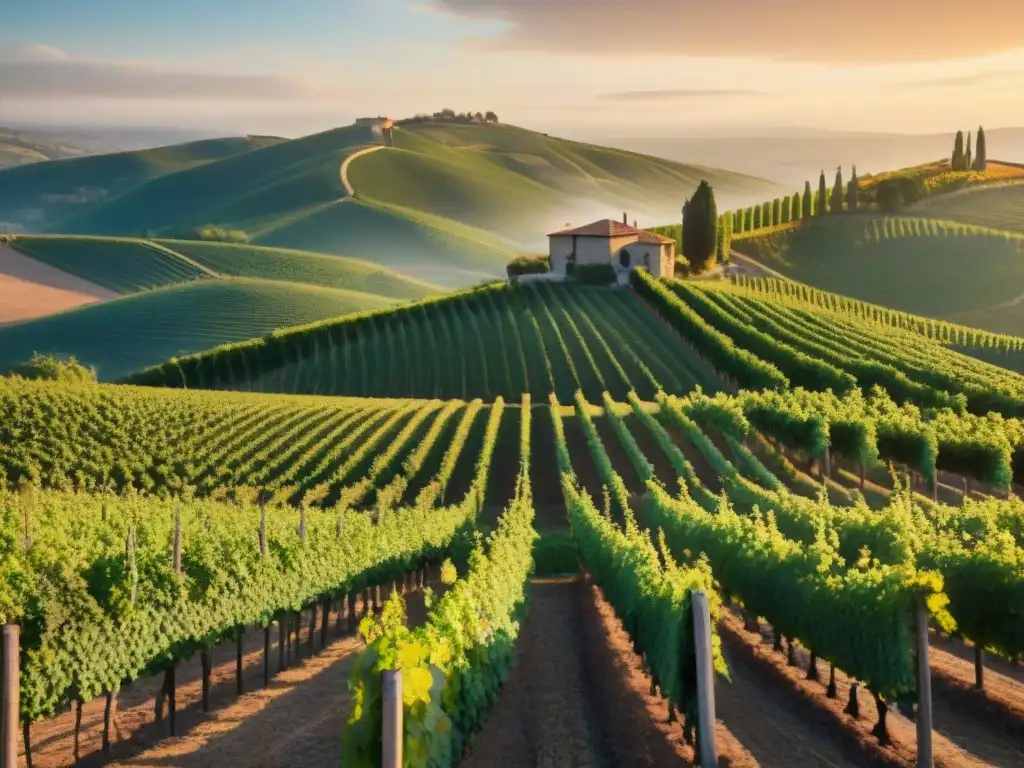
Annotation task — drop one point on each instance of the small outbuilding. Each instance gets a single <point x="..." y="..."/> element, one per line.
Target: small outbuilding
<point x="612" y="242"/>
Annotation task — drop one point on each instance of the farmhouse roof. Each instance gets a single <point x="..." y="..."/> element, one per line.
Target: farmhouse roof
<point x="611" y="228"/>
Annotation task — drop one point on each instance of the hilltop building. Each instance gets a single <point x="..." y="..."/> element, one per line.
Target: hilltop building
<point x="611" y="242"/>
<point x="376" y="124"/>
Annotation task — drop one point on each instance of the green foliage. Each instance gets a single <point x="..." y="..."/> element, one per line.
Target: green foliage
<point x="220" y="234"/>
<point x="821" y="201"/>
<point x="981" y="156"/>
<point x="555" y="554"/>
<point x="700" y="228"/>
<point x="452" y="667"/>
<point x="595" y="274"/>
<point x="838" y="193"/>
<point x="528" y="265"/>
<point x="51" y="368"/>
<point x="959" y="160"/>
<point x="805" y="212"/>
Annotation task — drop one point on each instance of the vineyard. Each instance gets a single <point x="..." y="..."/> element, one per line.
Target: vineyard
<point x="824" y="471"/>
<point x="907" y="263"/>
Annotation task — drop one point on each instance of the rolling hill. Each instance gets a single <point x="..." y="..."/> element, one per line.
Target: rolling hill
<point x="39" y="195"/>
<point x="962" y="273"/>
<point x="449" y="204"/>
<point x="1000" y="206"/>
<point x="133" y="332"/>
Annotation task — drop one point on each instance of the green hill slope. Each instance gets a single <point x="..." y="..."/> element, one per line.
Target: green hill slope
<point x="956" y="272"/>
<point x="458" y="199"/>
<point x="1001" y="207"/>
<point x="119" y="264"/>
<point x="243" y="191"/>
<point x="40" y="195"/>
<point x="521" y="184"/>
<point x="134" y="332"/>
<point x="427" y="247"/>
<point x="301" y="267"/>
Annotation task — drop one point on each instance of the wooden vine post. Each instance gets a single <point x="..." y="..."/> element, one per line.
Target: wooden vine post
<point x="266" y="629"/>
<point x="393" y="728"/>
<point x="10" y="696"/>
<point x="924" y="689"/>
<point x="705" y="680"/>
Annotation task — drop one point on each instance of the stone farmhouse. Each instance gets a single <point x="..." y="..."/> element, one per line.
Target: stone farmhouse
<point x="611" y="242"/>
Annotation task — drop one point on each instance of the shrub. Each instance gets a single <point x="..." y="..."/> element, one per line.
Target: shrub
<point x="52" y="368"/>
<point x="594" y="274"/>
<point x="554" y="554"/>
<point x="528" y="265"/>
<point x="220" y="234"/>
<point x="895" y="192"/>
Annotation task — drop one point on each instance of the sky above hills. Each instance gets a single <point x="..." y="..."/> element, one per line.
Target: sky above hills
<point x="651" y="67"/>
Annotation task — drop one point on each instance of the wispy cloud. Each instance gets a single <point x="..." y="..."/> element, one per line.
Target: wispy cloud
<point x="40" y="71"/>
<point x="989" y="77"/>
<point x="680" y="94"/>
<point x="861" y="32"/>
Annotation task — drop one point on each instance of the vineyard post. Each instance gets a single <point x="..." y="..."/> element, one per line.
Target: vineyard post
<point x="239" y="647"/>
<point x="924" y="688"/>
<point x="393" y="730"/>
<point x="705" y="680"/>
<point x="979" y="665"/>
<point x="10" y="697"/>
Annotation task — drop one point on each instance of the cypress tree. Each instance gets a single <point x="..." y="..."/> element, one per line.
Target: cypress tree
<point x="838" y="192"/>
<point x="981" y="152"/>
<point x="956" y="163"/>
<point x="757" y="217"/>
<point x="796" y="211"/>
<point x="766" y="213"/>
<point x="822" y="196"/>
<point x="748" y="220"/>
<point x="807" y="200"/>
<point x="725" y="237"/>
<point x="968" y="163"/>
<point x="700" y="228"/>
<point x="784" y="215"/>
<point x="853" y="192"/>
<point x="776" y="212"/>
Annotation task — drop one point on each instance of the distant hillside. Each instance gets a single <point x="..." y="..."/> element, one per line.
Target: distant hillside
<point x="20" y="146"/>
<point x="449" y="204"/>
<point x="134" y="332"/>
<point x="521" y="184"/>
<point x="970" y="275"/>
<point x="999" y="206"/>
<point x="38" y="196"/>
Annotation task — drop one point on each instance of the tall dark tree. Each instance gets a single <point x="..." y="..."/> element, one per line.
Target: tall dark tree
<point x="956" y="162"/>
<point x="969" y="161"/>
<point x="853" y="192"/>
<point x="748" y="220"/>
<point x="796" y="211"/>
<point x="981" y="152"/>
<point x="822" y="196"/>
<point x="700" y="228"/>
<point x="757" y="217"/>
<point x="787" y="210"/>
<point x="776" y="212"/>
<point x="838" y="192"/>
<point x="806" y="211"/>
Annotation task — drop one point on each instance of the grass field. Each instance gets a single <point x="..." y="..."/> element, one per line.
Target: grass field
<point x="924" y="266"/>
<point x="522" y="184"/>
<point x="121" y="265"/>
<point x="41" y="194"/>
<point x="133" y="332"/>
<point x="999" y="207"/>
<point x="301" y="267"/>
<point x="426" y="247"/>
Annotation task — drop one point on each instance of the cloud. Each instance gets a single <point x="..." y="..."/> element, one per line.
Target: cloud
<point x="673" y="95"/>
<point x="40" y="71"/>
<point x="840" y="31"/>
<point x="989" y="77"/>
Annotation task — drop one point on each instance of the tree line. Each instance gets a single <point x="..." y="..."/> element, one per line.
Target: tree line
<point x="963" y="159"/>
